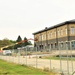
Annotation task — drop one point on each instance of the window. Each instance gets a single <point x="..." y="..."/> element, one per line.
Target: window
<point x="61" y="32"/>
<point x="55" y="33"/>
<point x="55" y="45"/>
<point x="66" y="30"/>
<point x="73" y="44"/>
<point x="61" y="45"/>
<point x="50" y="34"/>
<point x="72" y="30"/>
<point x="45" y="36"/>
<point x="51" y="45"/>
<point x="58" y="32"/>
<point x="40" y="37"/>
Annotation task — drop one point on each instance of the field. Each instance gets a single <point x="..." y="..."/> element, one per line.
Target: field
<point x="7" y="68"/>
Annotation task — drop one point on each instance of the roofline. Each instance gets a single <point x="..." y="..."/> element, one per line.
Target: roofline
<point x="55" y="26"/>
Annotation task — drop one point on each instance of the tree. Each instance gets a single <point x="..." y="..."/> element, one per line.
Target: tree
<point x="6" y="42"/>
<point x="19" y="39"/>
<point x="26" y="42"/>
<point x="29" y="42"/>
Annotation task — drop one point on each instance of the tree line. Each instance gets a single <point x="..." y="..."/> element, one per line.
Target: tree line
<point x="12" y="44"/>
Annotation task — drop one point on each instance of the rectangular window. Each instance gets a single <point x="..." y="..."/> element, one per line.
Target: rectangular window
<point x="55" y="33"/>
<point x="72" y="30"/>
<point x="58" y="32"/>
<point x="61" y="45"/>
<point x="51" y="45"/>
<point x="40" y="37"/>
<point x="61" y="32"/>
<point x="73" y="44"/>
<point x="66" y="30"/>
<point x="50" y="34"/>
<point x="45" y="36"/>
<point x="55" y="45"/>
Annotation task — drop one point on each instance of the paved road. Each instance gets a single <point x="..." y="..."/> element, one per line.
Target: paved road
<point x="66" y="66"/>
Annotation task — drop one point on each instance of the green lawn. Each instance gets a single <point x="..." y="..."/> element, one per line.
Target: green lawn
<point x="58" y="58"/>
<point x="7" y="68"/>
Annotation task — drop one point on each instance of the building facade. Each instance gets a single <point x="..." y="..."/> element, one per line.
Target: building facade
<point x="61" y="36"/>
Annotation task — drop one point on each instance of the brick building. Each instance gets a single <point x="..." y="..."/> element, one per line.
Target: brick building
<point x="60" y="36"/>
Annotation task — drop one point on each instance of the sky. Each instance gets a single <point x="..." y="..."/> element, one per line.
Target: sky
<point x="24" y="17"/>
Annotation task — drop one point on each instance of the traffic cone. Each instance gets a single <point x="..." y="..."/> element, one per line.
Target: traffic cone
<point x="29" y="56"/>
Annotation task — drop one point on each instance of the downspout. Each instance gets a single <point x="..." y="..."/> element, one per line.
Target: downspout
<point x="46" y="38"/>
<point x="57" y="38"/>
<point x="68" y="37"/>
<point x="41" y="40"/>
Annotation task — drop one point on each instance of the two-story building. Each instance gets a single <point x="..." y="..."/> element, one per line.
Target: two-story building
<point x="60" y="36"/>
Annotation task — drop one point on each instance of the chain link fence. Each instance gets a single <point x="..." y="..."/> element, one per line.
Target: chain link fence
<point x="62" y="61"/>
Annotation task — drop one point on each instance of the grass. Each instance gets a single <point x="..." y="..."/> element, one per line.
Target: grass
<point x="58" y="58"/>
<point x="7" y="68"/>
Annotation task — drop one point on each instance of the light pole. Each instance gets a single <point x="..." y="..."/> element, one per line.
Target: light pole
<point x="19" y="55"/>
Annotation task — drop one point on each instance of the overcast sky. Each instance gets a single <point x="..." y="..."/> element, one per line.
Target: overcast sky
<point x="24" y="17"/>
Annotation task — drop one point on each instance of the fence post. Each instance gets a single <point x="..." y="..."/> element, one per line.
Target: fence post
<point x="60" y="58"/>
<point x="26" y="55"/>
<point x="18" y="55"/>
<point x="71" y="57"/>
<point x="67" y="57"/>
<point x="36" y="57"/>
<point x="50" y="58"/>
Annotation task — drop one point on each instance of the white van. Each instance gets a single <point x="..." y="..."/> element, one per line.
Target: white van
<point x="6" y="52"/>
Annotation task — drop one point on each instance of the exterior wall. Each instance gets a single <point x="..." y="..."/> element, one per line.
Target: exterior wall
<point x="56" y="38"/>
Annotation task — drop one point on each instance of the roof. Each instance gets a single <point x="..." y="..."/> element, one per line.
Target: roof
<point x="55" y="26"/>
